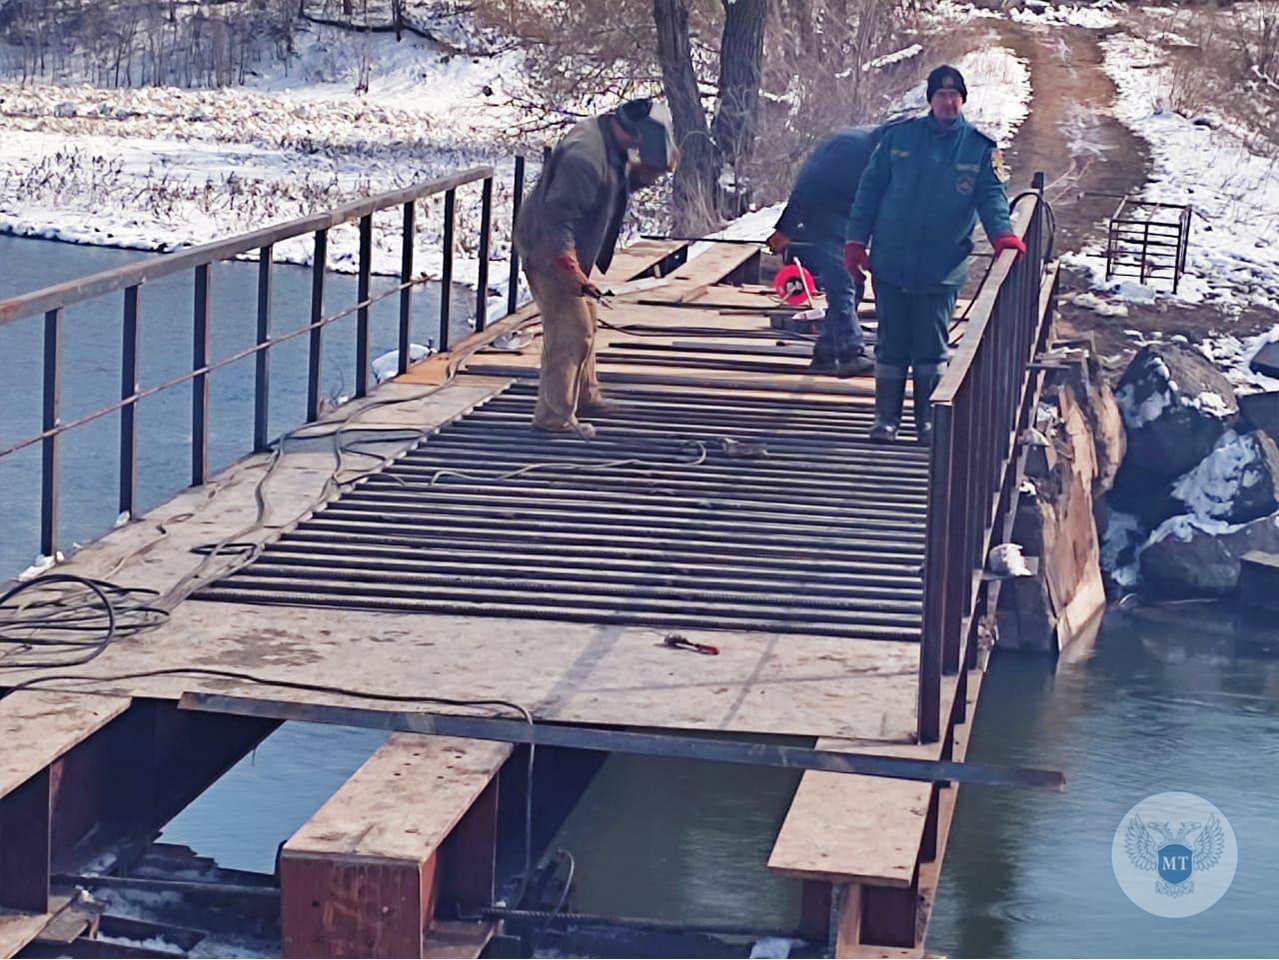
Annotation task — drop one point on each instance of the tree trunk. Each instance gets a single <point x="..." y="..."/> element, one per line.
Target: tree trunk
<point x="741" y="55"/>
<point x="694" y="183"/>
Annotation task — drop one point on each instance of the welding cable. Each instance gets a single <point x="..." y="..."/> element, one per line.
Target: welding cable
<point x="559" y="904"/>
<point x="490" y="703"/>
<point x="74" y="625"/>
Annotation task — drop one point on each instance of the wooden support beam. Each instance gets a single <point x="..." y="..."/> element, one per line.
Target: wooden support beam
<point x="413" y="827"/>
<point x="848" y="919"/>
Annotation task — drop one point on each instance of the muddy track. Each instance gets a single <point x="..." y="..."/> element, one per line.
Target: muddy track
<point x="1073" y="136"/>
<point x="1071" y="133"/>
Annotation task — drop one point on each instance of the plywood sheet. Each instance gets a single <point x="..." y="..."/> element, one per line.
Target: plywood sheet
<point x="638" y="258"/>
<point x="588" y="673"/>
<point x="38" y="726"/>
<point x="852" y="829"/>
<point x="404" y="800"/>
<point x="19" y="929"/>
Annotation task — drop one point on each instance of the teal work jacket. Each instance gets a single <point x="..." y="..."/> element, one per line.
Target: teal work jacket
<point x="919" y="200"/>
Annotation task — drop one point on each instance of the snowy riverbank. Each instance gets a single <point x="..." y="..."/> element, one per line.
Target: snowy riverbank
<point x="161" y="168"/>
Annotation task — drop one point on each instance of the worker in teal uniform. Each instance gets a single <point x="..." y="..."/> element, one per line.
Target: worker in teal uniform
<point x="917" y="204"/>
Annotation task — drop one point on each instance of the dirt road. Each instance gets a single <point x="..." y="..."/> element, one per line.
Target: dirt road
<point x="1073" y="136"/>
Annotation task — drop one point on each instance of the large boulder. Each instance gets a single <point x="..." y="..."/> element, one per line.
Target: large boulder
<point x="1190" y="556"/>
<point x="1261" y="410"/>
<point x="1175" y="406"/>
<point x="1237" y="482"/>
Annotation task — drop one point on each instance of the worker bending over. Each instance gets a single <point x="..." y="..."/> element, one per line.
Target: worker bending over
<point x="811" y="229"/>
<point x="929" y="180"/>
<point x="568" y="225"/>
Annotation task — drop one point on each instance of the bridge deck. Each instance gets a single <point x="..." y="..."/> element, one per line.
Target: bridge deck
<point x="554" y="589"/>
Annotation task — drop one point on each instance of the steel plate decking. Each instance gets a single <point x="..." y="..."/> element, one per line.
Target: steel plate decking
<point x="652" y="524"/>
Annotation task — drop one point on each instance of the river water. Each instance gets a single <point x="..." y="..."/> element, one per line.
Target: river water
<point x="1184" y="698"/>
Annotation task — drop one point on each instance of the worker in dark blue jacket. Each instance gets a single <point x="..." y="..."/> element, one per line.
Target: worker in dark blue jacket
<point x="917" y="204"/>
<point x="812" y="229"/>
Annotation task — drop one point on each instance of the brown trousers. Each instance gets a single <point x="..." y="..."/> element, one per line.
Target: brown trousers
<point x="568" y="380"/>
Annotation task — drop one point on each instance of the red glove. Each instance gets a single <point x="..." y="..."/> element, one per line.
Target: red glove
<point x="1007" y="241"/>
<point x="857" y="261"/>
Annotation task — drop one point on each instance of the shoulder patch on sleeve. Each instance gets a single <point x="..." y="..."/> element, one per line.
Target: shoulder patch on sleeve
<point x="997" y="164"/>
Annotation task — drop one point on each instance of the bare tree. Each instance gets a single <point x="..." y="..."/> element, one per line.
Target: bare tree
<point x="707" y="184"/>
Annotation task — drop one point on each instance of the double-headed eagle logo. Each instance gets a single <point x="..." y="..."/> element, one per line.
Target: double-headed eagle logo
<point x="1152" y="846"/>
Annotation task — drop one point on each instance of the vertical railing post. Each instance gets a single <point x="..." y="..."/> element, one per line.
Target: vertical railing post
<point x="935" y="639"/>
<point x="362" y="312"/>
<point x="406" y="292"/>
<point x="200" y="382"/>
<point x="482" y="276"/>
<point x="127" y="502"/>
<point x="262" y="359"/>
<point x="446" y="277"/>
<point x="517" y="197"/>
<point x="52" y="401"/>
<point x="316" y="352"/>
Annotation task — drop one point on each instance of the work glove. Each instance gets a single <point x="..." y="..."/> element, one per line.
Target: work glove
<point x="1009" y="241"/>
<point x="777" y="242"/>
<point x="857" y="260"/>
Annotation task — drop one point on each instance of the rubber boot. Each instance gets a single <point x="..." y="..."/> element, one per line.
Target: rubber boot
<point x="888" y="409"/>
<point x="855" y="365"/>
<point x="925" y="384"/>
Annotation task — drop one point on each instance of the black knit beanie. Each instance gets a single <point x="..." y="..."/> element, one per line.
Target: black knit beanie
<point x="946" y="78"/>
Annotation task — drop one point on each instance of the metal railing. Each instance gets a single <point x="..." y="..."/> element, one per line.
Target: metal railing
<point x="983" y="402"/>
<point x="52" y="301"/>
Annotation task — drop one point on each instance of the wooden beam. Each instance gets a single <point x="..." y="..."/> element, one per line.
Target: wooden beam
<point x="19" y="929"/>
<point x="848" y="919"/>
<point x="415" y="825"/>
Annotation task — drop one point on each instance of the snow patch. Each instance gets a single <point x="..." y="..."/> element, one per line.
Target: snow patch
<point x="1137" y="415"/>
<point x="1093" y="302"/>
<point x="1233" y="258"/>
<point x="1184" y="526"/>
<point x="906" y="53"/>
<point x="1120" y="545"/>
<point x="388" y="364"/>
<point x="41" y="564"/>
<point x="1211" y="488"/>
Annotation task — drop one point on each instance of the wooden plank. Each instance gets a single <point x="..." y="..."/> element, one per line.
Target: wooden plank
<point x="637" y="259"/>
<point x="848" y="919"/>
<point x="19" y="929"/>
<point x="852" y="828"/>
<point x="362" y="876"/>
<point x="403" y="801"/>
<point x="38" y="726"/>
<point x="691" y="281"/>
